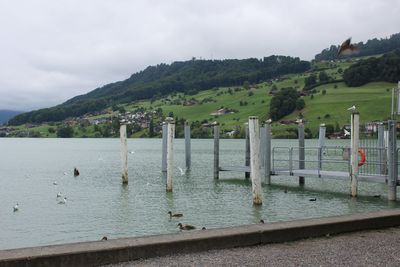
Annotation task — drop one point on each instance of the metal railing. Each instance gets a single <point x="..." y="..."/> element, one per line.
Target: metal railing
<point x="329" y="158"/>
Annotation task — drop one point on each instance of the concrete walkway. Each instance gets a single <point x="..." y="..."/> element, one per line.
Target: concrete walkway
<point x="367" y="248"/>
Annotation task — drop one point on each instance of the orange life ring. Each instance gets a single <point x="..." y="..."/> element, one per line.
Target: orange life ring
<point x="362" y="154"/>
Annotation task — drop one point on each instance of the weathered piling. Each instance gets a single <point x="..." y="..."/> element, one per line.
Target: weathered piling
<point x="164" y="147"/>
<point x="124" y="153"/>
<point x="170" y="152"/>
<point x="355" y="123"/>
<point x="381" y="150"/>
<point x="321" y="144"/>
<point x="254" y="137"/>
<point x="392" y="178"/>
<point x="216" y="151"/>
<point x="267" y="158"/>
<point x="247" y="149"/>
<point x="187" y="146"/>
<point x="263" y="135"/>
<point x="301" y="150"/>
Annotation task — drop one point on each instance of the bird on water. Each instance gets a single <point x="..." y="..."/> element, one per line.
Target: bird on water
<point x="76" y="172"/>
<point x="186" y="226"/>
<point x="16" y="207"/>
<point x="347" y="48"/>
<point x="174" y="215"/>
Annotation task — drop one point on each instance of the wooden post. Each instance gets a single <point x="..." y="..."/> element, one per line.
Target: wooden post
<point x="355" y="123"/>
<point x="254" y="136"/>
<point x="187" y="146"/>
<point x="267" y="158"/>
<point x="321" y="144"/>
<point x="301" y="150"/>
<point x="170" y="152"/>
<point x="164" y="147"/>
<point x="247" y="149"/>
<point x="216" y="151"/>
<point x="263" y="136"/>
<point x="392" y="179"/>
<point x="124" y="153"/>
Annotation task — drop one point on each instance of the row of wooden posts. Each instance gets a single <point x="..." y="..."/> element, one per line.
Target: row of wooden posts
<point x="256" y="158"/>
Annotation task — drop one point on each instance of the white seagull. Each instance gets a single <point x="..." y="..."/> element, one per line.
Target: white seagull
<point x="346" y="133"/>
<point x="16" y="208"/>
<point x="299" y="121"/>
<point x="55" y="182"/>
<point x="352" y="108"/>
<point x="181" y="170"/>
<point x="268" y="121"/>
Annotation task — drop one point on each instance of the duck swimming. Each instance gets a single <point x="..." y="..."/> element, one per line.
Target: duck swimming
<point x="174" y="215"/>
<point x="186" y="226"/>
<point x="76" y="172"/>
<point x="16" y="208"/>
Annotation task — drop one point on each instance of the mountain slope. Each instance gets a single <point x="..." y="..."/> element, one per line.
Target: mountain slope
<point x="5" y="115"/>
<point x="188" y="77"/>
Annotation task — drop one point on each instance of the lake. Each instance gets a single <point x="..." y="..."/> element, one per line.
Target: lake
<point x="98" y="205"/>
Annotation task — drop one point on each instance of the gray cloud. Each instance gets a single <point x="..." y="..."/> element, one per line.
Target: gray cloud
<point x="54" y="50"/>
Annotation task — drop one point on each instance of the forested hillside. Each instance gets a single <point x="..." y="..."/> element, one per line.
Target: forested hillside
<point x="188" y="77"/>
<point x="371" y="47"/>
<point x="385" y="68"/>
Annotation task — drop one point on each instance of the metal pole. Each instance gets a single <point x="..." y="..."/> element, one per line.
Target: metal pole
<point x="301" y="151"/>
<point x="392" y="179"/>
<point x="355" y="123"/>
<point x="392" y="115"/>
<point x="247" y="152"/>
<point x="170" y="152"/>
<point x="164" y="147"/>
<point x="187" y="146"/>
<point x="254" y="136"/>
<point x="216" y="151"/>
<point x="124" y="153"/>
<point x="321" y="144"/>
<point x="267" y="157"/>
<point x="381" y="150"/>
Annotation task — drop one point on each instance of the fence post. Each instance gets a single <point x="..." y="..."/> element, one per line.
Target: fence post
<point x="355" y="124"/>
<point x="392" y="179"/>
<point x="254" y="136"/>
<point x="164" y="147"/>
<point x="267" y="158"/>
<point x="321" y="144"/>
<point x="381" y="150"/>
<point x="247" y="149"/>
<point x="170" y="152"/>
<point x="301" y="150"/>
<point x="124" y="153"/>
<point x="187" y="146"/>
<point x="216" y="151"/>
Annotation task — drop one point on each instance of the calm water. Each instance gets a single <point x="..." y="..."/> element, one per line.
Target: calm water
<point x="98" y="205"/>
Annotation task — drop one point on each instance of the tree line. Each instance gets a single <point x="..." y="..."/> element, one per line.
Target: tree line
<point x="385" y="68"/>
<point x="371" y="47"/>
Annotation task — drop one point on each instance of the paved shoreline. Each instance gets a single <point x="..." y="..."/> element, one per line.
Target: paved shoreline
<point x="365" y="248"/>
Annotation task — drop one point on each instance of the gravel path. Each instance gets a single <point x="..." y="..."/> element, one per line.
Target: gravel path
<point x="368" y="248"/>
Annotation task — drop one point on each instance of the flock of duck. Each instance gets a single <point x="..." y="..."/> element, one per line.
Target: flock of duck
<point x="60" y="198"/>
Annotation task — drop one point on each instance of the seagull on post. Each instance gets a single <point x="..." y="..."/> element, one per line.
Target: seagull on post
<point x="352" y="108"/>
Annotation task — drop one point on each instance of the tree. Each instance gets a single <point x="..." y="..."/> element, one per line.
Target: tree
<point x="283" y="103"/>
<point x="151" y="128"/>
<point x="323" y="77"/>
<point x="300" y="104"/>
<point x="310" y="80"/>
<point x="65" y="131"/>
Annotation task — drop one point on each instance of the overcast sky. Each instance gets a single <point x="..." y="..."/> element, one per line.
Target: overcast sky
<point x="52" y="50"/>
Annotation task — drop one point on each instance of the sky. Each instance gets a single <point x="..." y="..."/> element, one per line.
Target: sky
<point x="51" y="50"/>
